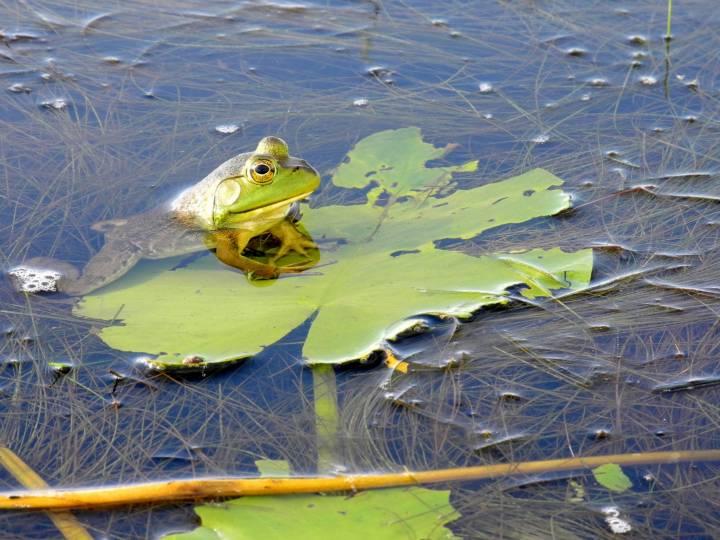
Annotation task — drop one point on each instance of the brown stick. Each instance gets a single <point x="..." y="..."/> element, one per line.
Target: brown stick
<point x="208" y="488"/>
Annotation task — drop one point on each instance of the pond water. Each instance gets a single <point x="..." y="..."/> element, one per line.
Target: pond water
<point x="108" y="109"/>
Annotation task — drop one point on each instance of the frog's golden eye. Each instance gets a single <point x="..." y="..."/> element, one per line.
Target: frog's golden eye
<point x="262" y="171"/>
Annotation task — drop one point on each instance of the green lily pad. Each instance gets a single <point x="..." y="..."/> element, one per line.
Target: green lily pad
<point x="379" y="267"/>
<point x="612" y="477"/>
<point x="386" y="514"/>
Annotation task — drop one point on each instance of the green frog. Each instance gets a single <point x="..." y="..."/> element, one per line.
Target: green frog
<point x="249" y="195"/>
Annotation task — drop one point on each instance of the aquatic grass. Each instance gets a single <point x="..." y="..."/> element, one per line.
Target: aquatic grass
<point x="608" y="371"/>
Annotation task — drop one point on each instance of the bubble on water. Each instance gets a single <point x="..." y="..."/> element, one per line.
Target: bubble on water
<point x="617" y="524"/>
<point x="56" y="104"/>
<point x="540" y="139"/>
<point x="34" y="280"/>
<point x="485" y="88"/>
<point x="19" y="88"/>
<point x="585" y="97"/>
<point x="227" y="129"/>
<point x="361" y="102"/>
<point x="488" y="116"/>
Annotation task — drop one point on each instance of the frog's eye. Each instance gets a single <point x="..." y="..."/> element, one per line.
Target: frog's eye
<point x="262" y="171"/>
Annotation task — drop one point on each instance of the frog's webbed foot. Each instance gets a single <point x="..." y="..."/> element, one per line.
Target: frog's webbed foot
<point x="291" y="239"/>
<point x="229" y="246"/>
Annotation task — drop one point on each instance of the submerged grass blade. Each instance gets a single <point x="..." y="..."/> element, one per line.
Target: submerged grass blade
<point x="65" y="522"/>
<point x="213" y="488"/>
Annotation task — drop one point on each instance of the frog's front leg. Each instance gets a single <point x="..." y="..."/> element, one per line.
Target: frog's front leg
<point x="229" y="245"/>
<point x="291" y="239"/>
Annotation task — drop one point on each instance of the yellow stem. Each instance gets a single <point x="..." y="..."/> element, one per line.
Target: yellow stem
<point x="204" y="488"/>
<point x="66" y="523"/>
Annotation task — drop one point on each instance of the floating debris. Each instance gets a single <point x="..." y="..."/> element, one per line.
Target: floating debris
<point x="439" y="22"/>
<point x="598" y="82"/>
<point x="576" y="51"/>
<point x="193" y="360"/>
<point x="691" y="84"/>
<point x="690" y="118"/>
<point x="61" y="367"/>
<point x="227" y="129"/>
<point x="685" y="385"/>
<point x="614" y="155"/>
<point x="485" y="88"/>
<point x="18" y="36"/>
<point x="585" y="97"/>
<point x="540" y="139"/>
<point x="378" y="71"/>
<point x="648" y="80"/>
<point x="111" y="60"/>
<point x="488" y="116"/>
<point x="637" y="40"/>
<point x="362" y="102"/>
<point x="19" y="88"/>
<point x="56" y="104"/>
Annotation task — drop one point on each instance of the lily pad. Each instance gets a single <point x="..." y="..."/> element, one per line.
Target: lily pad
<point x="379" y="267"/>
<point x="612" y="477"/>
<point x="385" y="514"/>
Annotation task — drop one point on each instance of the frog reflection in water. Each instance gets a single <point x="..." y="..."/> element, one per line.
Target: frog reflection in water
<point x="248" y="195"/>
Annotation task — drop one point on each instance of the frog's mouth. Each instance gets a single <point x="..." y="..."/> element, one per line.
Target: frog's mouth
<point x="250" y="215"/>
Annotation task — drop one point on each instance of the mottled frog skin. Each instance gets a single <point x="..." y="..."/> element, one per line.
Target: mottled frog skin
<point x="248" y="195"/>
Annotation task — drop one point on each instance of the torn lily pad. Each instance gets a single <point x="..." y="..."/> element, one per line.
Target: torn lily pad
<point x="379" y="267"/>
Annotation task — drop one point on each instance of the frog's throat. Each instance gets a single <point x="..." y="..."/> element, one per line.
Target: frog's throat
<point x="250" y="215"/>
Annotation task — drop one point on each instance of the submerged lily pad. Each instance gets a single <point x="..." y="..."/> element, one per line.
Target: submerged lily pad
<point x="379" y="267"/>
<point x="385" y="514"/>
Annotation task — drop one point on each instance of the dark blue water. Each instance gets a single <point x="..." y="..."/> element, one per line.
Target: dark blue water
<point x="108" y="109"/>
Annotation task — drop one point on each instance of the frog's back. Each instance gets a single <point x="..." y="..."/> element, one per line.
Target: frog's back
<point x="156" y="234"/>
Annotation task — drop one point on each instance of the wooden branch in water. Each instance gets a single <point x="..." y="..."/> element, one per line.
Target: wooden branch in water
<point x="65" y="522"/>
<point x="216" y="487"/>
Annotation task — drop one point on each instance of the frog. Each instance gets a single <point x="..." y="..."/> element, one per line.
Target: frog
<point x="249" y="195"/>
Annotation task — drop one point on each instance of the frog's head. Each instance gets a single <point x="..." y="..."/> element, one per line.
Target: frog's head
<point x="261" y="181"/>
